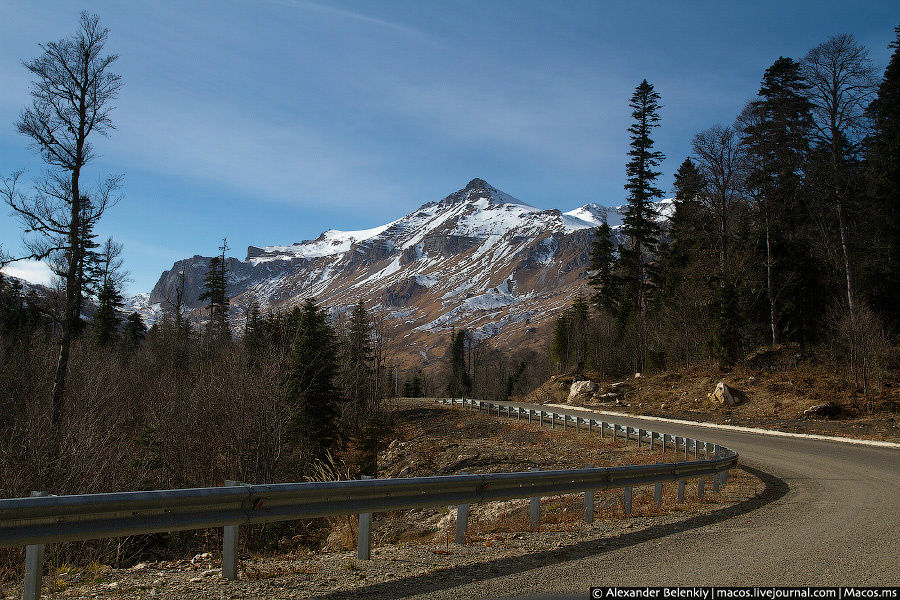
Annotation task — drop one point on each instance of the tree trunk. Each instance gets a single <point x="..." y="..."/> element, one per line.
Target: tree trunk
<point x="770" y="287"/>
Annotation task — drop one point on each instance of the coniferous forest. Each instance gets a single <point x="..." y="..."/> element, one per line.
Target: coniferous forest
<point x="785" y="233"/>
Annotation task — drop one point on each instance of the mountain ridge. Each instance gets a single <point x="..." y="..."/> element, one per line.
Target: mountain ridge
<point x="478" y="258"/>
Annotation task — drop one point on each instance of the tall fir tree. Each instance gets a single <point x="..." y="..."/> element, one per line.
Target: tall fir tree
<point x="106" y="319"/>
<point x="216" y="296"/>
<point x="107" y="271"/>
<point x="359" y="359"/>
<point x="776" y="138"/>
<point x="603" y="279"/>
<point x="686" y="225"/>
<point x="313" y="431"/>
<point x="640" y="223"/>
<point x="133" y="331"/>
<point x="686" y="283"/>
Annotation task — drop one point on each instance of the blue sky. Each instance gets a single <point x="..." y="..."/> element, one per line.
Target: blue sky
<point x="269" y="121"/>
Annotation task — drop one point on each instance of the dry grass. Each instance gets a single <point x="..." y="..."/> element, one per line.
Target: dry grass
<point x="774" y="397"/>
<point x="437" y="437"/>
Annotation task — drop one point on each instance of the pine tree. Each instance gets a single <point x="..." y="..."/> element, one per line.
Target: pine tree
<point x="359" y="361"/>
<point x="254" y="329"/>
<point x="776" y="137"/>
<point x="107" y="270"/>
<point x="313" y="394"/>
<point x="133" y="331"/>
<point x="214" y="292"/>
<point x="640" y="224"/>
<point x="687" y="231"/>
<point x="686" y="282"/>
<point x="106" y="319"/>
<point x="603" y="279"/>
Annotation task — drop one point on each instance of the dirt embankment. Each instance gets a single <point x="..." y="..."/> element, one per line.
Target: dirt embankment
<point x="415" y="549"/>
<point x="778" y="394"/>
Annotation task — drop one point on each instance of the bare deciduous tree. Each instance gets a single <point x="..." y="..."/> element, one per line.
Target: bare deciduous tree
<point x="721" y="161"/>
<point x="71" y="100"/>
<point x="842" y="81"/>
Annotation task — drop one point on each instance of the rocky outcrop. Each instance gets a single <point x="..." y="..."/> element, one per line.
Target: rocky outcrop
<point x="403" y="293"/>
<point x="195" y="269"/>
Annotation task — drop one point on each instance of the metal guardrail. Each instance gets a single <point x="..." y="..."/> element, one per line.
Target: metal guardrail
<point x="40" y="520"/>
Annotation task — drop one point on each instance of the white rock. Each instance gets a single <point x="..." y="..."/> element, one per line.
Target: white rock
<point x="582" y="389"/>
<point x="723" y="395"/>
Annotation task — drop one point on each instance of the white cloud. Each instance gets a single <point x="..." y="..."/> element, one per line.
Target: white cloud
<point x="32" y="271"/>
<point x="352" y="15"/>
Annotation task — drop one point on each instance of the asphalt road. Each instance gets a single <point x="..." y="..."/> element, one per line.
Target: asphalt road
<point x="830" y="516"/>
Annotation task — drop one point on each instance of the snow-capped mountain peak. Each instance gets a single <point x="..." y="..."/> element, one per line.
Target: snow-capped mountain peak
<point x="479" y="258"/>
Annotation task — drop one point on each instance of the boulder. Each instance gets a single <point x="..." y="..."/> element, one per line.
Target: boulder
<point x="582" y="390"/>
<point x="827" y="410"/>
<point x="723" y="395"/>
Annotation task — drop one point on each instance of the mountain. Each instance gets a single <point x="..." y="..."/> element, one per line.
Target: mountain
<point x="479" y="259"/>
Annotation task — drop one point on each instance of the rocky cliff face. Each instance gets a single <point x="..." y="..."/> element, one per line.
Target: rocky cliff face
<point x="478" y="259"/>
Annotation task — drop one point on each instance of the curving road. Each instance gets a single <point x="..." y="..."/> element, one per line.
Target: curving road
<point x="830" y="516"/>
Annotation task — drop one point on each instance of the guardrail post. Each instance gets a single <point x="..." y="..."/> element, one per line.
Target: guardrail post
<point x="657" y="494"/>
<point x="701" y="487"/>
<point x="706" y="450"/>
<point x="716" y="483"/>
<point x="229" y="546"/>
<point x="553" y="420"/>
<point x="565" y="421"/>
<point x="640" y="437"/>
<point x="615" y="429"/>
<point x="364" y="544"/>
<point x="653" y="440"/>
<point x="686" y="448"/>
<point x="462" y="519"/>
<point x="602" y="427"/>
<point x="518" y="414"/>
<point x="696" y="450"/>
<point x="535" y="509"/>
<point x="589" y="503"/>
<point x="34" y="566"/>
<point x="462" y="522"/>
<point x="529" y="414"/>
<point x="590" y="423"/>
<point x="680" y="491"/>
<point x="626" y="501"/>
